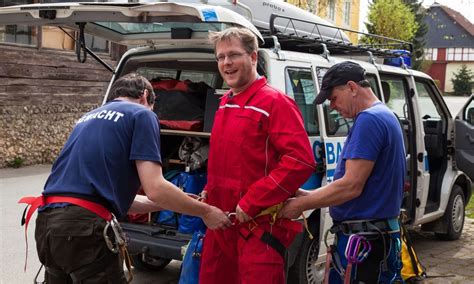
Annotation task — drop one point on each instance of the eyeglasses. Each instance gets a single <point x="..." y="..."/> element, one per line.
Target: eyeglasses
<point x="231" y="56"/>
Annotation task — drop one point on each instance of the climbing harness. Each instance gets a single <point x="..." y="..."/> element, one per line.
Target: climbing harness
<point x="118" y="244"/>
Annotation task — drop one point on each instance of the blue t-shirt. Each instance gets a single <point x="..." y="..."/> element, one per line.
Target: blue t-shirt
<point x="98" y="159"/>
<point x="375" y="136"/>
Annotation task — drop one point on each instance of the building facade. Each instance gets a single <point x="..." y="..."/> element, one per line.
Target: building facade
<point x="449" y="44"/>
<point x="342" y="13"/>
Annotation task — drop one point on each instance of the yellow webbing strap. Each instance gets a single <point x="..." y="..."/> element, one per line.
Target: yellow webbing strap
<point x="305" y="224"/>
<point x="273" y="211"/>
<point x="128" y="262"/>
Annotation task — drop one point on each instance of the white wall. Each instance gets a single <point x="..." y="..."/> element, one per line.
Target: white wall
<point x="452" y="68"/>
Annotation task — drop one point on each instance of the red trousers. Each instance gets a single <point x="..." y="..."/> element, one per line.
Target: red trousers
<point x="229" y="258"/>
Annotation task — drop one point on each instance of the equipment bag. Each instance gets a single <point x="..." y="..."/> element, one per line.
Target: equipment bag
<point x="412" y="271"/>
<point x="167" y="217"/>
<point x="180" y="104"/>
<point x="190" y="182"/>
<point x="192" y="260"/>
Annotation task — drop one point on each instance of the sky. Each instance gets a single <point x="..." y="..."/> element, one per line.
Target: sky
<point x="465" y="7"/>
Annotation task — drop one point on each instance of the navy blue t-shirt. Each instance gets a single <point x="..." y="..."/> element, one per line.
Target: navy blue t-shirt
<point x="98" y="159"/>
<point x="375" y="136"/>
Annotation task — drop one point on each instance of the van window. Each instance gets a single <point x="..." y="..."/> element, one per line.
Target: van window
<point x="299" y="85"/>
<point x="373" y="84"/>
<point x="395" y="94"/>
<point x="194" y="76"/>
<point x="428" y="108"/>
<point x="336" y="125"/>
<point x="469" y="113"/>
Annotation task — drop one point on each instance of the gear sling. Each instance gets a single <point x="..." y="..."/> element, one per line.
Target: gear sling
<point x="116" y="246"/>
<point x="355" y="244"/>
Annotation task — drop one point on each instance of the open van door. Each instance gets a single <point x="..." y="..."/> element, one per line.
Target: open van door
<point x="130" y="23"/>
<point x="464" y="138"/>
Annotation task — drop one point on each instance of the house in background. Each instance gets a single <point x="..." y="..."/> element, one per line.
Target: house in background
<point x="449" y="44"/>
<point x="341" y="13"/>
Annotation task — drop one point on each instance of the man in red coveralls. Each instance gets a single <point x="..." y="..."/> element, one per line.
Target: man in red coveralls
<point x="259" y="156"/>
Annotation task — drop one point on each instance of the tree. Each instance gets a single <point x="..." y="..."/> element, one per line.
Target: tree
<point x="462" y="81"/>
<point x="390" y="18"/>
<point x="419" y="38"/>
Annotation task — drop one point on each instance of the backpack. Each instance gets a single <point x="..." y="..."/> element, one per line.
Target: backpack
<point x="412" y="271"/>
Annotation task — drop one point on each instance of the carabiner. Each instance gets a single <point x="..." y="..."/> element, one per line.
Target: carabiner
<point x="117" y="229"/>
<point x="232" y="217"/>
<point x="112" y="247"/>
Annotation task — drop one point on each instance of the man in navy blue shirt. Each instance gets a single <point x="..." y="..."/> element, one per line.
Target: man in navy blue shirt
<point x="111" y="152"/>
<point x="366" y="194"/>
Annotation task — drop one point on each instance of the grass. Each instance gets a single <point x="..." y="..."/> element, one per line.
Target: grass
<point x="470" y="208"/>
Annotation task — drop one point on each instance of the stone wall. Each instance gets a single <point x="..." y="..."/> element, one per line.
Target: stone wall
<point x="42" y="94"/>
<point x="35" y="134"/>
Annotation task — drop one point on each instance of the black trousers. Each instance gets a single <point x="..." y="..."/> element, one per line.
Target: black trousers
<point x="71" y="246"/>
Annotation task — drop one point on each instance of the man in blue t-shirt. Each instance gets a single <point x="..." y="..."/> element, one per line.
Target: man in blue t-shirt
<point x="366" y="194"/>
<point x="111" y="152"/>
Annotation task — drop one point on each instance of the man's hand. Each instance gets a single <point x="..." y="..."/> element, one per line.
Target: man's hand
<point x="215" y="219"/>
<point x="241" y="215"/>
<point x="291" y="209"/>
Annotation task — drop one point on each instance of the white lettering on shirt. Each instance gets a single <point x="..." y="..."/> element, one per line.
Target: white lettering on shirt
<point x="103" y="114"/>
<point x="109" y="115"/>
<point x="118" y="116"/>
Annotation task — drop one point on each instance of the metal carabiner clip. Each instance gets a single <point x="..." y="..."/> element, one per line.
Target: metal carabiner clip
<point x="110" y="244"/>
<point x="232" y="217"/>
<point x="118" y="232"/>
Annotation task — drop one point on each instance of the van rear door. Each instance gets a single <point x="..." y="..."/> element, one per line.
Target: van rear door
<point x="464" y="138"/>
<point x="130" y="23"/>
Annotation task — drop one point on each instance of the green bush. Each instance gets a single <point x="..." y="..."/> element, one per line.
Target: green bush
<point x="16" y="163"/>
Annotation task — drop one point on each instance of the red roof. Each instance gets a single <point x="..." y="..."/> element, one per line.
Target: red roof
<point x="459" y="18"/>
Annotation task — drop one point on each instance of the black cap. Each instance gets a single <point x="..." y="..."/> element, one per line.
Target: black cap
<point x="338" y="75"/>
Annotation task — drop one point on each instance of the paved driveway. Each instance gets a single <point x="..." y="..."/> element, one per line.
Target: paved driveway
<point x="453" y="261"/>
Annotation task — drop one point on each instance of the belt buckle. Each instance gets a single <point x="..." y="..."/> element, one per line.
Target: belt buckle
<point x="252" y="225"/>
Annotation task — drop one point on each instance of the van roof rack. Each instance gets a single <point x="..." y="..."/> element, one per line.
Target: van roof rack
<point x="289" y="35"/>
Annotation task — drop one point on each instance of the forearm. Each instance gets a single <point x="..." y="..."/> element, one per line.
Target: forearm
<point x="332" y="194"/>
<point x="142" y="204"/>
<point x="167" y="196"/>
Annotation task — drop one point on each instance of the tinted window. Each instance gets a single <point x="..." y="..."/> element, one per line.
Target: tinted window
<point x="336" y="125"/>
<point x="425" y="97"/>
<point x="18" y="34"/>
<point x="300" y="85"/>
<point x="469" y="113"/>
<point x="395" y="93"/>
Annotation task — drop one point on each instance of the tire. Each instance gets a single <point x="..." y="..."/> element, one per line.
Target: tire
<point x="304" y="270"/>
<point x="454" y="215"/>
<point x="151" y="263"/>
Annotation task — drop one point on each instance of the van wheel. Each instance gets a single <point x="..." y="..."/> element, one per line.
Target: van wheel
<point x="454" y="215"/>
<point x="150" y="263"/>
<point x="304" y="269"/>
